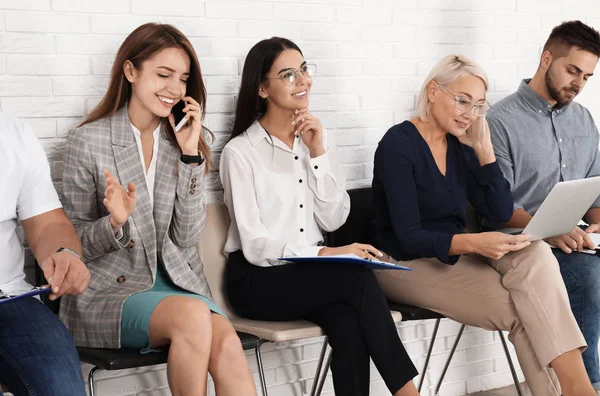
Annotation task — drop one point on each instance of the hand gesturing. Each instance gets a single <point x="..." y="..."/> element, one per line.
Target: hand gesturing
<point x="119" y="201"/>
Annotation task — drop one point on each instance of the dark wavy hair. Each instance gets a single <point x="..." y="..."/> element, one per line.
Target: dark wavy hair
<point x="260" y="59"/>
<point x="573" y="34"/>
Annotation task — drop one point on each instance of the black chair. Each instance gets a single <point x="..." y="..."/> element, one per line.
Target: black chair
<point x="126" y="358"/>
<point x="358" y="229"/>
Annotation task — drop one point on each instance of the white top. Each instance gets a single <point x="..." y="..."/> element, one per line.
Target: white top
<point x="151" y="174"/>
<point x="26" y="191"/>
<point x="279" y="199"/>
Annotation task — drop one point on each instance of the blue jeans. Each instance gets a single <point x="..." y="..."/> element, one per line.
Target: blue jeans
<point x="581" y="273"/>
<point x="37" y="354"/>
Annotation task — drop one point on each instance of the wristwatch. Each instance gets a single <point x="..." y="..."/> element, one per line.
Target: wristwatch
<point x="70" y="251"/>
<point x="192" y="159"/>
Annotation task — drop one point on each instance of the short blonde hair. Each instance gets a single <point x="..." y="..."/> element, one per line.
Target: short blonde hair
<point x="446" y="72"/>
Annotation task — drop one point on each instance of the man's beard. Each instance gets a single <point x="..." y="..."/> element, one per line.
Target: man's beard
<point x="555" y="92"/>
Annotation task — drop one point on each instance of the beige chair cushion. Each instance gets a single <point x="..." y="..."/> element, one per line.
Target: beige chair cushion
<point x="285" y="331"/>
<point x="211" y="245"/>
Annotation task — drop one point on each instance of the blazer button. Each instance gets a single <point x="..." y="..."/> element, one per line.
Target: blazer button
<point x="121" y="279"/>
<point x="192" y="191"/>
<point x="194" y="180"/>
<point x="131" y="244"/>
<point x="193" y="185"/>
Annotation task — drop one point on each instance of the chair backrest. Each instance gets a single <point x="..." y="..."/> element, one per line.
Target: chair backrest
<point x="473" y="223"/>
<point x="358" y="225"/>
<point x="210" y="247"/>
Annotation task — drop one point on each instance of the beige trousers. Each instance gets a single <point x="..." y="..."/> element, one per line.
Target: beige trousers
<point x="522" y="293"/>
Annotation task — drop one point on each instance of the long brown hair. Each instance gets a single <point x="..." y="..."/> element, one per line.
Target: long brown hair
<point x="142" y="44"/>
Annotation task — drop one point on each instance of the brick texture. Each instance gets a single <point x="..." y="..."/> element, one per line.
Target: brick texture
<point x="372" y="55"/>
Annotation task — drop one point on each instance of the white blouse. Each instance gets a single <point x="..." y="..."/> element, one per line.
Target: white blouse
<point x="151" y="174"/>
<point x="279" y="199"/>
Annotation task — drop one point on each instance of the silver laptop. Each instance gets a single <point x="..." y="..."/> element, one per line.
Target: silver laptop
<point x="562" y="209"/>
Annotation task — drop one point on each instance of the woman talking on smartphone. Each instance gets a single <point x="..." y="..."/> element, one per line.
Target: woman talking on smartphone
<point x="147" y="287"/>
<point x="283" y="183"/>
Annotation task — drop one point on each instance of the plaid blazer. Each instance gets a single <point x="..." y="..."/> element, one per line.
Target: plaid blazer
<point x="170" y="230"/>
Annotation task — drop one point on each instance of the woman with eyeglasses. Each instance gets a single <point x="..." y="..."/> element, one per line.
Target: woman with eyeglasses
<point x="283" y="185"/>
<point x="426" y="171"/>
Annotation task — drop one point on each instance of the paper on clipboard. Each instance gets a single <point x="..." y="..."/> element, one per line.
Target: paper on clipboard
<point x="5" y="297"/>
<point x="347" y="259"/>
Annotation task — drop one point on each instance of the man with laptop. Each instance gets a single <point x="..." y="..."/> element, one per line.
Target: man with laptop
<point x="541" y="137"/>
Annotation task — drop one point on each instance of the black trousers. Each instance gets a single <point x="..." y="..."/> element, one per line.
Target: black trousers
<point x="345" y="300"/>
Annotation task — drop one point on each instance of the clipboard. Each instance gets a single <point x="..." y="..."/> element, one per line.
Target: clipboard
<point x="5" y="297"/>
<point x="347" y="259"/>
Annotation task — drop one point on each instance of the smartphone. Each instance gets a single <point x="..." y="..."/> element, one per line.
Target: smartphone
<point x="179" y="115"/>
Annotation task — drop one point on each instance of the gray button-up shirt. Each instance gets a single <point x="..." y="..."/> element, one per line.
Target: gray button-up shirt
<point x="538" y="146"/>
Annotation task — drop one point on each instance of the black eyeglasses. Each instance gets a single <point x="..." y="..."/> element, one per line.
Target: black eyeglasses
<point x="290" y="76"/>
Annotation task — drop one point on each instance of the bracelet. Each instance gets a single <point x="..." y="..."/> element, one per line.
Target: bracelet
<point x="192" y="159"/>
<point x="74" y="253"/>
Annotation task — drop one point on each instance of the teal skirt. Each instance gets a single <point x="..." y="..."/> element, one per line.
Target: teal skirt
<point x="138" y="308"/>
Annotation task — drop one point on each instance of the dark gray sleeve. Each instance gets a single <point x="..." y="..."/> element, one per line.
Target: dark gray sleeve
<point x="500" y="141"/>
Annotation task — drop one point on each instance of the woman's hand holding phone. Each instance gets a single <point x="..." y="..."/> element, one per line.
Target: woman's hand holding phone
<point x="188" y="136"/>
<point x="119" y="201"/>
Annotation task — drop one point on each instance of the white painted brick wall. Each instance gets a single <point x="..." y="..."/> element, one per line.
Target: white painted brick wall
<point x="56" y="55"/>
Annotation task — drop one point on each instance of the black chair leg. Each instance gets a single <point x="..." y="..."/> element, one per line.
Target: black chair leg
<point x="91" y="384"/>
<point x="317" y="379"/>
<point x="510" y="364"/>
<point x="261" y="371"/>
<point x="429" y="351"/>
<point x="458" y="337"/>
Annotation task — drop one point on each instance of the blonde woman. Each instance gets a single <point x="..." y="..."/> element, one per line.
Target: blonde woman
<point x="426" y="170"/>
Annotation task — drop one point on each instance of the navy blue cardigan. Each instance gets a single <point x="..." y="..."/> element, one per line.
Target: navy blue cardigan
<point x="417" y="210"/>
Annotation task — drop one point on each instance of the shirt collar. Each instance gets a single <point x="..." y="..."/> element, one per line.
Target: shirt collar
<point x="535" y="101"/>
<point x="257" y="133"/>
<point x="137" y="132"/>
